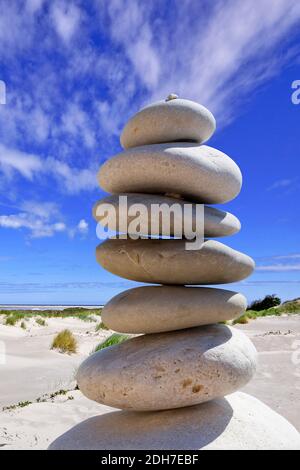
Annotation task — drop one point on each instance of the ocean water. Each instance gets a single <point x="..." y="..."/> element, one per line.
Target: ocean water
<point x="45" y="307"/>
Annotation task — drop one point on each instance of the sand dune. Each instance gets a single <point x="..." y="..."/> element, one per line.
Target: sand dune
<point x="32" y="369"/>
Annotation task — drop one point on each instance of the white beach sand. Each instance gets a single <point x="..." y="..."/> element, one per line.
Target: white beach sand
<point x="32" y="369"/>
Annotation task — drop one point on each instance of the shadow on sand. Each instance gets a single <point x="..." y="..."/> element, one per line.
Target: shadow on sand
<point x="188" y="428"/>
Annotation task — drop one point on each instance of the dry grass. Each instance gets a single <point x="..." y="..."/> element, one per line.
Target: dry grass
<point x="243" y="320"/>
<point x="65" y="342"/>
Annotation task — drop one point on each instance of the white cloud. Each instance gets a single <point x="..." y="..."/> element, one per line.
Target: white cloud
<point x="66" y="19"/>
<point x="14" y="160"/>
<point x="279" y="268"/>
<point x="293" y="256"/>
<point x="283" y="183"/>
<point x="279" y="263"/>
<point x="130" y="27"/>
<point x="44" y="210"/>
<point x="33" y="6"/>
<point x="41" y="219"/>
<point x="215" y="53"/>
<point x="83" y="226"/>
<point x="77" y="123"/>
<point x="72" y="180"/>
<point x="231" y="50"/>
<point x="38" y="226"/>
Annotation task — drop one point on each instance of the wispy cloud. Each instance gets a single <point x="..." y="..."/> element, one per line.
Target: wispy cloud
<point x="66" y="19"/>
<point x="282" y="184"/>
<point x="217" y="59"/>
<point x="21" y="287"/>
<point x="98" y="62"/>
<point x="71" y="179"/>
<point x="40" y="220"/>
<point x="280" y="267"/>
<point x="83" y="226"/>
<point x="13" y="160"/>
<point x="124" y="54"/>
<point x="279" y="263"/>
<point x="39" y="227"/>
<point x="269" y="281"/>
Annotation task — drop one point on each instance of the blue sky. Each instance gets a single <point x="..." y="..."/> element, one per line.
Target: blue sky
<point x="75" y="71"/>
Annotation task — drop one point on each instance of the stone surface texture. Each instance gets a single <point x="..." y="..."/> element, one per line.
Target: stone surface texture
<point x="196" y="172"/>
<point x="236" y="422"/>
<point x="169" y="370"/>
<point x="168" y="121"/>
<point x="178" y="379"/>
<point x="155" y="309"/>
<point x="168" y="262"/>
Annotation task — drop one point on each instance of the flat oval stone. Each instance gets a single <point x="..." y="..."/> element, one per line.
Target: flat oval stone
<point x="169" y="121"/>
<point x="169" y="370"/>
<point x="156" y="309"/>
<point x="195" y="172"/>
<point x="237" y="422"/>
<point x="217" y="223"/>
<point x="168" y="261"/>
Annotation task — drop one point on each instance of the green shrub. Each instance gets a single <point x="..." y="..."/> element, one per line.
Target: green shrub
<point x="115" y="338"/>
<point x="101" y="326"/>
<point x="268" y="302"/>
<point x="65" y="342"/>
<point x="11" y="320"/>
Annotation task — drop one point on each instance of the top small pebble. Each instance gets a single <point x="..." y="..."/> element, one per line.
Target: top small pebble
<point x="172" y="120"/>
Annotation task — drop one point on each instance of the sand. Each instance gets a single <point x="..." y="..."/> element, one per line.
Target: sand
<point x="32" y="369"/>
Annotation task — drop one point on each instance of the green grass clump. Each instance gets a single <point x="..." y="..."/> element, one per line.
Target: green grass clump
<point x="82" y="313"/>
<point x="11" y="320"/>
<point x="65" y="342"/>
<point x="41" y="321"/>
<point x="241" y="320"/>
<point x="101" y="326"/>
<point x="288" y="308"/>
<point x="23" y="325"/>
<point x="84" y="317"/>
<point x="115" y="338"/>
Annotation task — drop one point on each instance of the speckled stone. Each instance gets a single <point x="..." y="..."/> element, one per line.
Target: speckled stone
<point x="167" y="121"/>
<point x="169" y="370"/>
<point x="195" y="172"/>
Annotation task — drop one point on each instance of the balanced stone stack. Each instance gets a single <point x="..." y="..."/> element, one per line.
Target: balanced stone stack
<point x="184" y="354"/>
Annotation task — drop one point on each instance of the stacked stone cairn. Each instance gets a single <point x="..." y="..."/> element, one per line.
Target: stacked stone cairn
<point x="183" y="355"/>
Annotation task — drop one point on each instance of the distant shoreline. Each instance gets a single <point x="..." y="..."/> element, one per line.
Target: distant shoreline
<point x="45" y="307"/>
